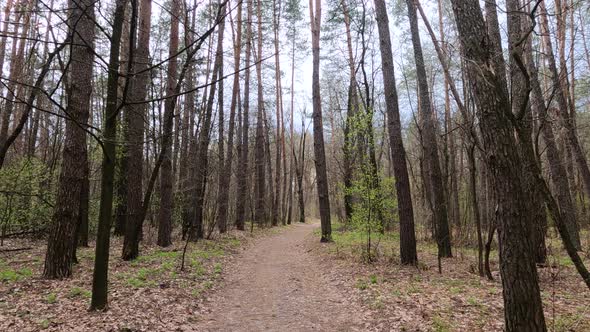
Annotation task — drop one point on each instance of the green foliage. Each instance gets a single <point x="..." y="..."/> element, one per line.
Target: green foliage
<point x="371" y="202"/>
<point x="25" y="201"/>
<point x="373" y="279"/>
<point x="77" y="291"/>
<point x="51" y="298"/>
<point x="44" y="323"/>
<point x="9" y="275"/>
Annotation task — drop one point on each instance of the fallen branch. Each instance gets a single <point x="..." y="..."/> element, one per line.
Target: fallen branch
<point x="16" y="249"/>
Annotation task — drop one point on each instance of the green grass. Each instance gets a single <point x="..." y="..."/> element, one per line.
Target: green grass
<point x="373" y="279"/>
<point x="9" y="275"/>
<point x="456" y="290"/>
<point x="440" y="325"/>
<point x="217" y="269"/>
<point x="566" y="322"/>
<point x="361" y="284"/>
<point x="77" y="291"/>
<point x="44" y="323"/>
<point x="51" y="298"/>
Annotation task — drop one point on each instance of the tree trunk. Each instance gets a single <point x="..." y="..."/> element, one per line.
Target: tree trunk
<point x="202" y="161"/>
<point x="402" y="184"/>
<point x="225" y="178"/>
<point x="259" y="180"/>
<point x="166" y="176"/>
<point x="441" y="223"/>
<point x="523" y="309"/>
<point x="134" y="137"/>
<point x="318" y="128"/>
<point x="101" y="261"/>
<point x="566" y="120"/>
<point x="72" y="201"/>
<point x="243" y="166"/>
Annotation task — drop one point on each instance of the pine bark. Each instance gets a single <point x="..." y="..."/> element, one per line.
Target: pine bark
<point x="225" y="179"/>
<point x="402" y="184"/>
<point x="523" y="309"/>
<point x="427" y="116"/>
<point x="166" y="176"/>
<point x="134" y="135"/>
<point x="243" y="165"/>
<point x="101" y="261"/>
<point x="70" y="206"/>
<point x="318" y="128"/>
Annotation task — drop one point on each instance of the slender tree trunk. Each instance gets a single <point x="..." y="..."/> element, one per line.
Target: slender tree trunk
<point x="402" y="185"/>
<point x="225" y="179"/>
<point x="101" y="261"/>
<point x="259" y="182"/>
<point x="166" y="176"/>
<point x="280" y="136"/>
<point x="243" y="165"/>
<point x="204" y="138"/>
<point x="134" y="137"/>
<point x="318" y="128"/>
<point x="566" y="119"/>
<point x="442" y="232"/>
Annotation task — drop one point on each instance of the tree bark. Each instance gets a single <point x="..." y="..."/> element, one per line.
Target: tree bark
<point x="134" y="137"/>
<point x="101" y="261"/>
<point x="225" y="178"/>
<point x="442" y="232"/>
<point x="402" y="184"/>
<point x="166" y="176"/>
<point x="243" y="165"/>
<point x="523" y="309"/>
<point x="72" y="204"/>
<point x="318" y="128"/>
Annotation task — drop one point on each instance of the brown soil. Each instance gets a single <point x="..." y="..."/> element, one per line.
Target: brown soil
<point x="280" y="285"/>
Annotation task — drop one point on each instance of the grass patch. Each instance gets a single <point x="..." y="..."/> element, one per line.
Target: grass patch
<point x="373" y="279"/>
<point x="361" y="284"/>
<point x="77" y="291"/>
<point x="566" y="322"/>
<point x="51" y="298"/>
<point x="9" y="275"/>
<point x="44" y="324"/>
<point x="440" y="325"/>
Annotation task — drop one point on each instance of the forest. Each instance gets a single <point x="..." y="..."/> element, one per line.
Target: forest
<point x="284" y="165"/>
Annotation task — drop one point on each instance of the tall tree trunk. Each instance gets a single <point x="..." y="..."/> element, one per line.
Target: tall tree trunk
<point x="443" y="235"/>
<point x="402" y="185"/>
<point x="523" y="308"/>
<point x="280" y="135"/>
<point x="134" y="135"/>
<point x="225" y="178"/>
<point x="318" y="128"/>
<point x="243" y="165"/>
<point x="101" y="261"/>
<point x="352" y="105"/>
<point x="519" y="91"/>
<point x="73" y="182"/>
<point x="166" y="176"/>
<point x="202" y="161"/>
<point x="259" y="181"/>
<point x="566" y="119"/>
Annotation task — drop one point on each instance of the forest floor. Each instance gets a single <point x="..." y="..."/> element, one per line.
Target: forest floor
<point x="401" y="298"/>
<point x="279" y="279"/>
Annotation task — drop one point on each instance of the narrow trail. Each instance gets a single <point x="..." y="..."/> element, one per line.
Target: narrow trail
<point x="277" y="284"/>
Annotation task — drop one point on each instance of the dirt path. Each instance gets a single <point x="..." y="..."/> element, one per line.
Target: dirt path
<point x="278" y="285"/>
